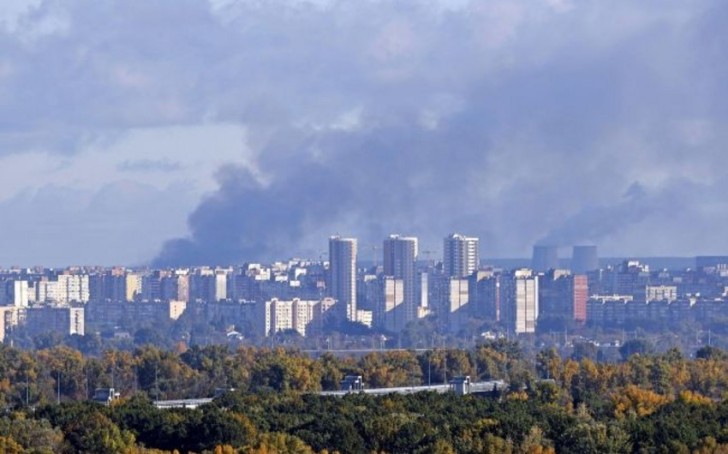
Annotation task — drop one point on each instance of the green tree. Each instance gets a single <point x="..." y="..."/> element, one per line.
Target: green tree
<point x="10" y="446"/>
<point x="331" y="371"/>
<point x="95" y="432"/>
<point x="279" y="443"/>
<point x="64" y="372"/>
<point x="548" y="364"/>
<point x="584" y="350"/>
<point x="709" y="352"/>
<point x="634" y="347"/>
<point x="282" y="370"/>
<point x="34" y="435"/>
<point x="586" y="436"/>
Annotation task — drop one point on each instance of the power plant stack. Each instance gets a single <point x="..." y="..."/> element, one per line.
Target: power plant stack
<point x="583" y="259"/>
<point x="545" y="257"/>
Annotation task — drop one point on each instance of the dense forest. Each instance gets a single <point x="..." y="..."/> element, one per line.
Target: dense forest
<point x="644" y="403"/>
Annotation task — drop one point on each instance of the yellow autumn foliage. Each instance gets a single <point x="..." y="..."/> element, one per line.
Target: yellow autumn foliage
<point x="694" y="398"/>
<point x="637" y="401"/>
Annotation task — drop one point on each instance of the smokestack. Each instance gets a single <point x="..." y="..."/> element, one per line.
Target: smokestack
<point x="545" y="257"/>
<point x="583" y="259"/>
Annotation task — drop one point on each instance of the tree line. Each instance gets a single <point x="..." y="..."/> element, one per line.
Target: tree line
<point x="646" y="403"/>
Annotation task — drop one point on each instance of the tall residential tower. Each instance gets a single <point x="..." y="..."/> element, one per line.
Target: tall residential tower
<point x="342" y="274"/>
<point x="460" y="255"/>
<point x="400" y="255"/>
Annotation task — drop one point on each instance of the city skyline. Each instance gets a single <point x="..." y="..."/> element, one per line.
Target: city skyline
<point x="371" y="254"/>
<point x="364" y="226"/>
<point x="265" y="300"/>
<point x="225" y="130"/>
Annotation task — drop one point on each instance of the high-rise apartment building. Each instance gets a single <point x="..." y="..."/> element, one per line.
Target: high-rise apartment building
<point x="152" y="285"/>
<point x="168" y="288"/>
<point x="20" y="293"/>
<point x="485" y="295"/>
<point x="580" y="296"/>
<point x="207" y="284"/>
<point x="422" y="294"/>
<point x="220" y="285"/>
<point x="460" y="255"/>
<point x="47" y="290"/>
<point x="521" y="301"/>
<point x="457" y="304"/>
<point x="133" y="286"/>
<point x="400" y="255"/>
<point x="183" y="286"/>
<point x="73" y="288"/>
<point x="711" y="261"/>
<point x="562" y="298"/>
<point x="108" y="285"/>
<point x="68" y="288"/>
<point x="389" y="312"/>
<point x="342" y="274"/>
<point x="8" y="320"/>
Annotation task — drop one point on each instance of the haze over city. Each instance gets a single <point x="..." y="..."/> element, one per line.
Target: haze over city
<point x="212" y="132"/>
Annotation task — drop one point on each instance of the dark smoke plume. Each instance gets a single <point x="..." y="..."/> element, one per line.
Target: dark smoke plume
<point x="463" y="121"/>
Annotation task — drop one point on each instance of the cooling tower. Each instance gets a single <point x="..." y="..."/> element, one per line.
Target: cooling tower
<point x="583" y="259"/>
<point x="545" y="257"/>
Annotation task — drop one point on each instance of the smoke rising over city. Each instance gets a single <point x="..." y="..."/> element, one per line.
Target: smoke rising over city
<point x="546" y="121"/>
<point x="503" y="136"/>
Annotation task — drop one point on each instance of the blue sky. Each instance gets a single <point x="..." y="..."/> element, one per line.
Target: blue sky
<point x="219" y="131"/>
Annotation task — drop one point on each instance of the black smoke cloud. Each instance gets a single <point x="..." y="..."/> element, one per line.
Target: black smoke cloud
<point x="593" y="223"/>
<point x="481" y="120"/>
<point x="510" y="120"/>
<point x="333" y="180"/>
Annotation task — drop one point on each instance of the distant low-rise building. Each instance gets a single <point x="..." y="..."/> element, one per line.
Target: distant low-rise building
<point x="661" y="293"/>
<point x="108" y="314"/>
<point x="302" y="316"/>
<point x="9" y="317"/>
<point x="63" y="320"/>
